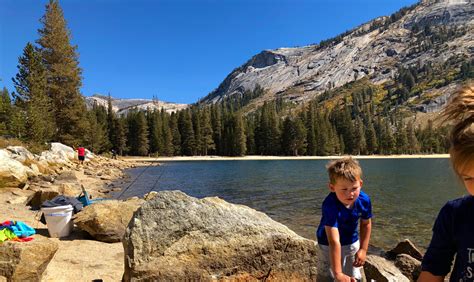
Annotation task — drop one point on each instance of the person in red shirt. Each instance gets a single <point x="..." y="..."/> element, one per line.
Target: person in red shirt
<point x="81" y="153"/>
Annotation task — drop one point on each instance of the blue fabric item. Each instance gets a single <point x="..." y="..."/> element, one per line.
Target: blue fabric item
<point x="21" y="229"/>
<point x="453" y="233"/>
<point x="335" y="214"/>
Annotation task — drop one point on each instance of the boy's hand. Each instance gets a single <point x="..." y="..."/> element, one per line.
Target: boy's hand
<point x="341" y="277"/>
<point x="360" y="258"/>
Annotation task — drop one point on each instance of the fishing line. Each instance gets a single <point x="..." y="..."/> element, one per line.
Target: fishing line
<point x="156" y="182"/>
<point x="123" y="191"/>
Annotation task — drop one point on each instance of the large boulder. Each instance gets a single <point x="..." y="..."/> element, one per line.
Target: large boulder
<point x="68" y="176"/>
<point x="405" y="247"/>
<point x="21" y="154"/>
<point x="382" y="270"/>
<point x="62" y="149"/>
<point x="409" y="266"/>
<point x="59" y="155"/>
<point x="26" y="261"/>
<point x="107" y="220"/>
<point x="44" y="166"/>
<point x="12" y="172"/>
<point x="40" y="195"/>
<point x="53" y="159"/>
<point x="178" y="237"/>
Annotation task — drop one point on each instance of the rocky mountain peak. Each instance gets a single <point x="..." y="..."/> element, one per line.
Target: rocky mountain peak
<point x="122" y="106"/>
<point x="375" y="50"/>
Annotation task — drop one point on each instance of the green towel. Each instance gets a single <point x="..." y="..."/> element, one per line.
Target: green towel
<point x="6" y="234"/>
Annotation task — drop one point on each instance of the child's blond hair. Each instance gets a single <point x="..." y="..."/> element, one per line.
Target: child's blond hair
<point x="460" y="110"/>
<point x="345" y="168"/>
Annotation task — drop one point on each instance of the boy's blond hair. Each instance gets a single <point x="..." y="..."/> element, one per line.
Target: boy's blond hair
<point x="345" y="168"/>
<point x="460" y="110"/>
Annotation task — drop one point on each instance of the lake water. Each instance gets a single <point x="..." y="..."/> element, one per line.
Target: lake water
<point x="406" y="193"/>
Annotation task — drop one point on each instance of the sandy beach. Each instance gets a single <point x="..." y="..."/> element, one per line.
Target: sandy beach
<point x="266" y="158"/>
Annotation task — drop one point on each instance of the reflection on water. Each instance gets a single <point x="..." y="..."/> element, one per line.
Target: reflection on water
<point x="406" y="193"/>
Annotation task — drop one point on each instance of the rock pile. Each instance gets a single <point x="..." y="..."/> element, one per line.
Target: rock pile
<point x="402" y="263"/>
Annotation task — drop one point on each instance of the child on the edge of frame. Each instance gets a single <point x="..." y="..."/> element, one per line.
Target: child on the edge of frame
<point x="453" y="230"/>
<point x="341" y="210"/>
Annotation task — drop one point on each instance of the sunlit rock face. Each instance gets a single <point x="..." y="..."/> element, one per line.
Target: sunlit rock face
<point x="302" y="73"/>
<point x="175" y="237"/>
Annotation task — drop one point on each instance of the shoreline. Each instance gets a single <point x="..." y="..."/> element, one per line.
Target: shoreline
<point x="270" y="158"/>
<point x="77" y="255"/>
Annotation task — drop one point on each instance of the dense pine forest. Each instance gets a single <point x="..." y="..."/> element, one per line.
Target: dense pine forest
<point x="46" y="106"/>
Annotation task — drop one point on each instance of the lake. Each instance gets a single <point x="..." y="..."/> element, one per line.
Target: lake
<point x="406" y="193"/>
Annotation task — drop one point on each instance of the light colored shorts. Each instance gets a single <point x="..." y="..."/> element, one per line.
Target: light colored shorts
<point x="347" y="259"/>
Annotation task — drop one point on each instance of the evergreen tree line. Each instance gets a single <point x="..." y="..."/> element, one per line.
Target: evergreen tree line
<point x="354" y="127"/>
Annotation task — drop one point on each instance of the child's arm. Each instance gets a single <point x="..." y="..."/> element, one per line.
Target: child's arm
<point x="335" y="254"/>
<point x="425" y="276"/>
<point x="365" y="230"/>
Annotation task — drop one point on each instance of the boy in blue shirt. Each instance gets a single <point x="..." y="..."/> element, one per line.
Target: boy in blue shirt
<point x="341" y="210"/>
<point x="453" y="231"/>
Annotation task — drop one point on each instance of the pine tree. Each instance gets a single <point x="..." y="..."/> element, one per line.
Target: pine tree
<point x="216" y="122"/>
<point x="360" y="141"/>
<point x="342" y="146"/>
<point x="250" y="134"/>
<point x="310" y="130"/>
<point x="176" y="136"/>
<point x="63" y="76"/>
<point x="121" y="132"/>
<point x="196" y="119"/>
<point x="186" y="130"/>
<point x="142" y="135"/>
<point x="96" y="138"/>
<point x="239" y="141"/>
<point x="17" y="125"/>
<point x="111" y="124"/>
<point x="155" y="132"/>
<point x="388" y="142"/>
<point x="371" y="138"/>
<point x="5" y="111"/>
<point x="166" y="133"/>
<point x="401" y="138"/>
<point x="413" y="144"/>
<point x="207" y="143"/>
<point x="293" y="137"/>
<point x="31" y="97"/>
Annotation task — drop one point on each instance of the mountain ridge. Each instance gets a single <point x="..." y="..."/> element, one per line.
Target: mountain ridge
<point x="123" y="106"/>
<point x="376" y="50"/>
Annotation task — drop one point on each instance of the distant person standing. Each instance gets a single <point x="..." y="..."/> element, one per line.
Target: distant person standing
<point x="114" y="154"/>
<point x="81" y="154"/>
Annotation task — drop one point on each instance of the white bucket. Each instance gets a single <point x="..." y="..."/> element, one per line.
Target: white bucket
<point x="58" y="220"/>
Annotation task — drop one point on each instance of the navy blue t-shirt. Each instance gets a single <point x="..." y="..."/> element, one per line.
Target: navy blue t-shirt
<point x="453" y="233"/>
<point x="335" y="214"/>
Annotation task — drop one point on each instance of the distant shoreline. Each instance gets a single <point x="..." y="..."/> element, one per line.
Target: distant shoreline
<point x="270" y="158"/>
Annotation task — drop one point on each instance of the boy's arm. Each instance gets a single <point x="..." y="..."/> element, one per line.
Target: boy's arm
<point x="426" y="276"/>
<point x="335" y="254"/>
<point x="365" y="230"/>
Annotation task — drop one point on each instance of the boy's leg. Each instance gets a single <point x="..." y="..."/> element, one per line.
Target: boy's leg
<point x="348" y="258"/>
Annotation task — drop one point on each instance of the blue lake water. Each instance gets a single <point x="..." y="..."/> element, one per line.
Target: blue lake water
<point x="406" y="193"/>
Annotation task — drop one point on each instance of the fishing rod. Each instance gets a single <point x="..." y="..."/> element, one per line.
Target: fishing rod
<point x="156" y="182"/>
<point x="124" y="190"/>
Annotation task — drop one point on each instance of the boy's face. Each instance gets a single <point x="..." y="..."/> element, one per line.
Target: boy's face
<point x="467" y="177"/>
<point x="346" y="191"/>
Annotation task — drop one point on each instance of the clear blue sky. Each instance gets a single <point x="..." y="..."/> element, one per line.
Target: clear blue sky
<point x="178" y="50"/>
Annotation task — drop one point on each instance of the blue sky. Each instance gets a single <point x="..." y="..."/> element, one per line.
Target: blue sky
<point x="177" y="50"/>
